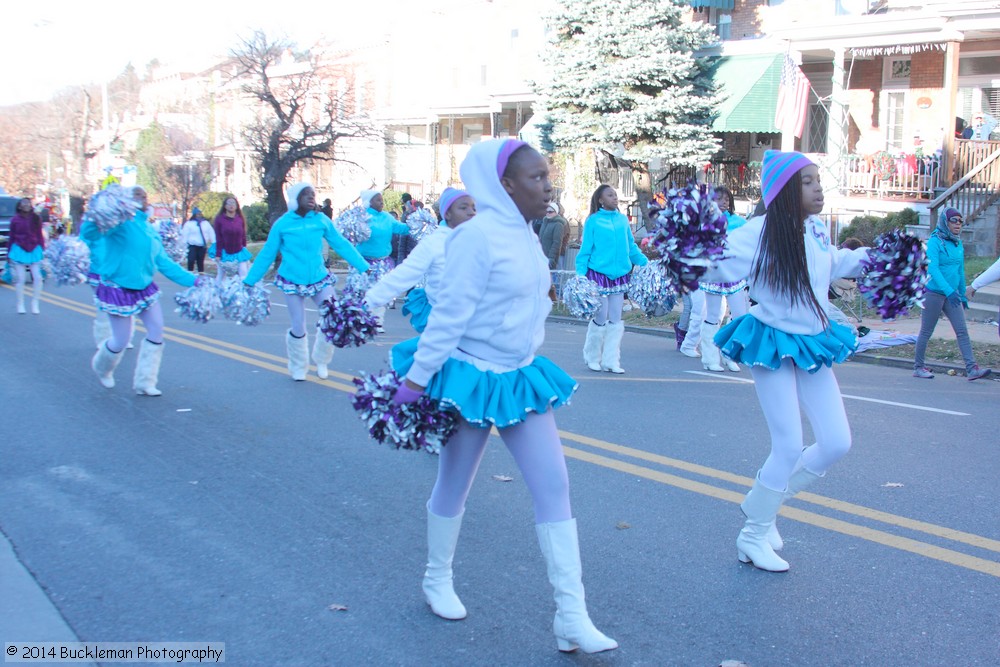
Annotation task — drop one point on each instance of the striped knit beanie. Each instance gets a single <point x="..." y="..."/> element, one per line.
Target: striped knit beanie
<point x="776" y="169"/>
<point x="449" y="197"/>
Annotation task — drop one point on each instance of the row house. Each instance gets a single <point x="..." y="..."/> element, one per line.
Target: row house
<point x="892" y="85"/>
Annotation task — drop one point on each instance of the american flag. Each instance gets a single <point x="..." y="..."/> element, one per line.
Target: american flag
<point x="793" y="98"/>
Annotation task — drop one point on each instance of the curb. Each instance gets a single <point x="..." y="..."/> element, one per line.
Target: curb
<point x="863" y="357"/>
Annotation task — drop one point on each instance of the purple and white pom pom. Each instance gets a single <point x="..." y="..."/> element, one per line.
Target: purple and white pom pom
<point x="894" y="275"/>
<point x="421" y="223"/>
<point x="247" y="305"/>
<point x="581" y="296"/>
<point x="652" y="287"/>
<point x="353" y="225"/>
<point x="68" y="259"/>
<point x="170" y="235"/>
<point x="200" y="302"/>
<point x="689" y="233"/>
<point x="357" y="283"/>
<point x="346" y="321"/>
<point x="110" y="207"/>
<point x="422" y="424"/>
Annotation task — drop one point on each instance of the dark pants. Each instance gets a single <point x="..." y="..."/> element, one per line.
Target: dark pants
<point x="196" y="255"/>
<point x="934" y="305"/>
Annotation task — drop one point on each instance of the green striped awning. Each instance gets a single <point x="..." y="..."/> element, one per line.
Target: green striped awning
<point x="717" y="4"/>
<point x="749" y="88"/>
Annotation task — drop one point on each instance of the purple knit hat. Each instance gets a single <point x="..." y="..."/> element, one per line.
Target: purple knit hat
<point x="777" y="168"/>
<point x="449" y="197"/>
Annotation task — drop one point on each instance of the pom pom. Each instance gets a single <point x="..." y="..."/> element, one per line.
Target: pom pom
<point x="353" y="225"/>
<point x="229" y="269"/>
<point x="200" y="302"/>
<point x="244" y="304"/>
<point x="652" y="287"/>
<point x="358" y="284"/>
<point x="422" y="424"/>
<point x="110" y="207"/>
<point x="689" y="233"/>
<point x="68" y="259"/>
<point x="894" y="275"/>
<point x="346" y="321"/>
<point x="581" y="296"/>
<point x="421" y="223"/>
<point x="170" y="234"/>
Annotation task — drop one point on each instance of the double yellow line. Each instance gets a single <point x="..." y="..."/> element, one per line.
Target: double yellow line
<point x="655" y="470"/>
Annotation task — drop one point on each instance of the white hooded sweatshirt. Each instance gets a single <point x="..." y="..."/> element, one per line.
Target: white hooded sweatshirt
<point x="493" y="300"/>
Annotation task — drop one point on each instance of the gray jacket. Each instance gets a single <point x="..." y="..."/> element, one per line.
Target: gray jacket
<point x="550" y="235"/>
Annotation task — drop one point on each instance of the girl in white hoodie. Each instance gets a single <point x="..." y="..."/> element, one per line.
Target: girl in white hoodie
<point x="477" y="355"/>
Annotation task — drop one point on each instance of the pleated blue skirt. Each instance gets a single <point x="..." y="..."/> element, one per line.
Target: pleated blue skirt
<point x="418" y="308"/>
<point x="747" y="340"/>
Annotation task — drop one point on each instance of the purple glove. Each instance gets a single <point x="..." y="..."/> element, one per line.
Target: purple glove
<point x="405" y="395"/>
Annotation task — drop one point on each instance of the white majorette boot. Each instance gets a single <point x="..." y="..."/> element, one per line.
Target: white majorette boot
<point x="593" y="345"/>
<point x="298" y="355"/>
<point x="322" y="353"/>
<point x="760" y="507"/>
<point x="611" y="356"/>
<point x="689" y="348"/>
<point x="147" y="368"/>
<point x="572" y="625"/>
<point x="19" y="296"/>
<point x="36" y="297"/>
<point x="711" y="358"/>
<point x="104" y="363"/>
<point x="730" y="364"/>
<point x="439" y="590"/>
<point x="102" y="328"/>
<point x="799" y="480"/>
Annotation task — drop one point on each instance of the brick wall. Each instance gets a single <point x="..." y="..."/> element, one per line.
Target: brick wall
<point x="927" y="69"/>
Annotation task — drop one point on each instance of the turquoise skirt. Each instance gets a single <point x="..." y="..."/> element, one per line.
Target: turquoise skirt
<point x="241" y="256"/>
<point x="21" y="256"/>
<point x="488" y="398"/>
<point x="747" y="340"/>
<point x="418" y="308"/>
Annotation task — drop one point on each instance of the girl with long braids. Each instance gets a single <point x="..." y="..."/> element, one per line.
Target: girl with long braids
<point x="608" y="252"/>
<point x="788" y="341"/>
<point x="477" y="354"/>
<point x="27" y="244"/>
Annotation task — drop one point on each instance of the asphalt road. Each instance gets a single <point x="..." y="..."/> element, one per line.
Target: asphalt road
<point x="240" y="505"/>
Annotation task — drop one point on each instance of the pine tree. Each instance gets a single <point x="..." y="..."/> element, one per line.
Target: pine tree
<point x="622" y="75"/>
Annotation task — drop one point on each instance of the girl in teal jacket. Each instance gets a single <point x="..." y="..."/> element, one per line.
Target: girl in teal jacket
<point x="946" y="292"/>
<point x="607" y="254"/>
<point x="129" y="256"/>
<point x="377" y="250"/>
<point x="298" y="235"/>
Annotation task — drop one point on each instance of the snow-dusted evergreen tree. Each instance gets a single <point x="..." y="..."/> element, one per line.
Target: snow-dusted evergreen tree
<point x="621" y="75"/>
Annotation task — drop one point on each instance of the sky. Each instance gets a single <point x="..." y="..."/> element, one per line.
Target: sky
<point x="51" y="44"/>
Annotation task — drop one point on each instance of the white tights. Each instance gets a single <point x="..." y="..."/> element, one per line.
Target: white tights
<point x="121" y="328"/>
<point x="781" y="393"/>
<point x="297" y="309"/>
<point x="537" y="450"/>
<point x="610" y="310"/>
<point x="20" y="273"/>
<point x="715" y="306"/>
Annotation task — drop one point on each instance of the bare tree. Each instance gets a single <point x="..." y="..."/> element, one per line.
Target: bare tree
<point x="300" y="118"/>
<point x="22" y="160"/>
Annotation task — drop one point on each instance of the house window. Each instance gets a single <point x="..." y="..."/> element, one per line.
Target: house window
<point x="895" y="107"/>
<point x="724" y="26"/>
<point x="896" y="72"/>
<point x="819" y="123"/>
<point x="472" y="134"/>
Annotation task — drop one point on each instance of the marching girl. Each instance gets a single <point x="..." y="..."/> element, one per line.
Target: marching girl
<point x="718" y="295"/>
<point x="298" y="235"/>
<point x="477" y="355"/>
<point x="788" y="342"/>
<point x="130" y="254"/>
<point x="608" y="252"/>
<point x="231" y="237"/>
<point x="377" y="250"/>
<point x="426" y="261"/>
<point x="25" y="252"/>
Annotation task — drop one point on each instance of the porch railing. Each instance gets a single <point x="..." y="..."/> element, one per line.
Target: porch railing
<point x="884" y="176"/>
<point x="975" y="191"/>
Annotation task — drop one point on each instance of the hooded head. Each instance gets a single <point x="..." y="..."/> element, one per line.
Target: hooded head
<point x="481" y="172"/>
<point x="366" y="197"/>
<point x="449" y="197"/>
<point x="293" y="192"/>
<point x="943" y="229"/>
<point x="776" y="169"/>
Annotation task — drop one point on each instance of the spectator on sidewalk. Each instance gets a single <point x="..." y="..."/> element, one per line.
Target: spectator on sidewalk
<point x="946" y="293"/>
<point x="198" y="234"/>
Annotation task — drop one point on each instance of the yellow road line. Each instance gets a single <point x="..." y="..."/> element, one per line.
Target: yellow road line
<point x="247" y="355"/>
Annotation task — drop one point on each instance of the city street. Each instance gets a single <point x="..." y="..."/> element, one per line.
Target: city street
<point x="247" y="509"/>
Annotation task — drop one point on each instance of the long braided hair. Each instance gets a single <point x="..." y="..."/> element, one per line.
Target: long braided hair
<point x="781" y="262"/>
